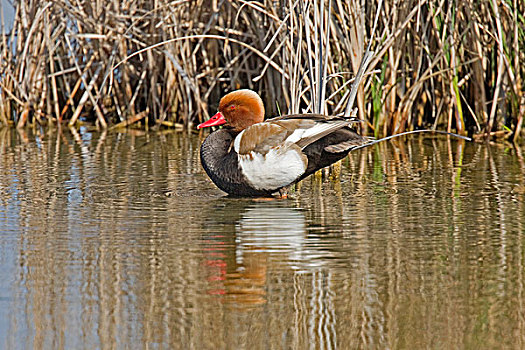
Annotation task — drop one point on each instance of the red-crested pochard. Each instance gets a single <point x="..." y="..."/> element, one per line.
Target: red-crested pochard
<point x="253" y="157"/>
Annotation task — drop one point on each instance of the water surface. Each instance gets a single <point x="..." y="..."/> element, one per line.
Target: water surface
<point x="119" y="240"/>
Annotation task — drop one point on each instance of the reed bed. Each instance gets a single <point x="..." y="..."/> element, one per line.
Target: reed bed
<point x="441" y="64"/>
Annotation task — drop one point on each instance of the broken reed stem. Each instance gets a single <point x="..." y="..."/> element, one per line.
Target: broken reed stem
<point x="107" y="62"/>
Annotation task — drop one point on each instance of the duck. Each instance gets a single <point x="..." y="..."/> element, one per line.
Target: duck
<point x="253" y="157"/>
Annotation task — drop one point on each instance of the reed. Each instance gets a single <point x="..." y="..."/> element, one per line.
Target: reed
<point x="454" y="65"/>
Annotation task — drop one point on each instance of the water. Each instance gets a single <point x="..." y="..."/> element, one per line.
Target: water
<point x="120" y="241"/>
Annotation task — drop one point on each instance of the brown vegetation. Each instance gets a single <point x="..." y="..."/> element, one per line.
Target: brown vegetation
<point x="454" y="65"/>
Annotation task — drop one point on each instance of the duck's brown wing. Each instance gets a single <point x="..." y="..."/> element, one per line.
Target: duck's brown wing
<point x="306" y="129"/>
<point x="261" y="138"/>
<point x="307" y="116"/>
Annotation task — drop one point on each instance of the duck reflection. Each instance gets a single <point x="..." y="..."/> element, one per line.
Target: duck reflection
<point x="257" y="247"/>
<point x="263" y="230"/>
<point x="256" y="235"/>
<point x="271" y="228"/>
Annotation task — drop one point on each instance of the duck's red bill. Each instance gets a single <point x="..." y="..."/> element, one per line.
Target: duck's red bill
<point x="216" y="120"/>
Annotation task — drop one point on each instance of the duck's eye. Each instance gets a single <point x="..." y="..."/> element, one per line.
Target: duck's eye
<point x="232" y="107"/>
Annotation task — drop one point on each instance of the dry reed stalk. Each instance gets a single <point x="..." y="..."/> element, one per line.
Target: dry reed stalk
<point x="71" y="94"/>
<point x="521" y="115"/>
<point x="130" y="121"/>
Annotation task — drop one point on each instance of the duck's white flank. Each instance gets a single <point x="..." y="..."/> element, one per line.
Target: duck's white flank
<point x="280" y="167"/>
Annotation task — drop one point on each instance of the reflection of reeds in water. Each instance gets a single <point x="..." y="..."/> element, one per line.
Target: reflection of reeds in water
<point x="456" y="65"/>
<point x="402" y="162"/>
<point x="400" y="254"/>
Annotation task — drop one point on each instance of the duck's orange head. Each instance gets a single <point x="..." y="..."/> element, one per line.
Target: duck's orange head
<point x="238" y="110"/>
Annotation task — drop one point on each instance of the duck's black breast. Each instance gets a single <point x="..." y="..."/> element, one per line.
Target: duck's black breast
<point x="220" y="161"/>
